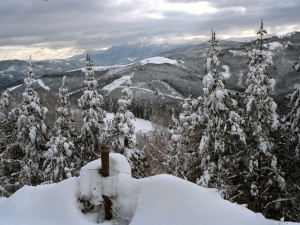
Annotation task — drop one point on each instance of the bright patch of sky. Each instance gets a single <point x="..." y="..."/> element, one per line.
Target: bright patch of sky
<point x="61" y="29"/>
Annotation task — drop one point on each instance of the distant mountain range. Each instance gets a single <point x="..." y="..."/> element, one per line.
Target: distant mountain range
<point x="163" y="82"/>
<point x="126" y="53"/>
<point x="12" y="72"/>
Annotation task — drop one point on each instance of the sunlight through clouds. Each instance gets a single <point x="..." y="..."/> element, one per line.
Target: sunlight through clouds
<point x="76" y="26"/>
<point x="23" y="52"/>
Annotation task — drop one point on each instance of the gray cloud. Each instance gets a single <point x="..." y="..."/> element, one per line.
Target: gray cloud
<point x="96" y="24"/>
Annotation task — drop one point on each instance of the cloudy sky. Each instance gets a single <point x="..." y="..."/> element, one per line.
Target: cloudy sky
<point x="61" y="28"/>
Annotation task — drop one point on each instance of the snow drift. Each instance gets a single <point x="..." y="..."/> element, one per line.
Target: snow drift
<point x="158" y="200"/>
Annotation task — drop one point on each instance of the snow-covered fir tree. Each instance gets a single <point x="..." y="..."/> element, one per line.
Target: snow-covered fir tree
<point x="262" y="176"/>
<point x="121" y="131"/>
<point x="289" y="154"/>
<point x="31" y="133"/>
<point x="60" y="156"/>
<point x="222" y="136"/>
<point x="182" y="158"/>
<point x="93" y="129"/>
<point x="4" y="102"/>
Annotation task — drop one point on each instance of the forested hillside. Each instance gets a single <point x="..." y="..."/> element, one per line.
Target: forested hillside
<point x="215" y="119"/>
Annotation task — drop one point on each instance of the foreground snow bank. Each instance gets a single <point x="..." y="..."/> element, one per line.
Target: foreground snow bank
<point x="158" y="200"/>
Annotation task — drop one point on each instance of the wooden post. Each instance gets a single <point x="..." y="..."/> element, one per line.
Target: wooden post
<point x="105" y="173"/>
<point x="105" y="163"/>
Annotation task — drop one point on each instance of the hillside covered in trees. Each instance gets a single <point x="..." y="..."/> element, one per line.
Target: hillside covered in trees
<point x="231" y="140"/>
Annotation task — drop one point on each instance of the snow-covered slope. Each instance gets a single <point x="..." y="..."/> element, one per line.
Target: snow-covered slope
<point x="158" y="200"/>
<point x="159" y="60"/>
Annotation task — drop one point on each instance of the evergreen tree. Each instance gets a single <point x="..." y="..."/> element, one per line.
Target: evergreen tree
<point x="58" y="164"/>
<point x="290" y="156"/>
<point x="93" y="129"/>
<point x="263" y="178"/>
<point x="121" y="132"/>
<point x="4" y="102"/>
<point x="222" y="136"/>
<point x="27" y="151"/>
<point x="183" y="159"/>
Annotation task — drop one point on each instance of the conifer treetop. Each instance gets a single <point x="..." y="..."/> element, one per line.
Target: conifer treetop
<point x="29" y="81"/>
<point x="261" y="32"/>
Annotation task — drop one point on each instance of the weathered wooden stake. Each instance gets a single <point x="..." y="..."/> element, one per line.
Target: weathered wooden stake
<point x="105" y="163"/>
<point x="105" y="173"/>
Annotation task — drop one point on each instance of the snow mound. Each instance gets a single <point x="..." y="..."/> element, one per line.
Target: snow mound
<point x="159" y="200"/>
<point x="159" y="60"/>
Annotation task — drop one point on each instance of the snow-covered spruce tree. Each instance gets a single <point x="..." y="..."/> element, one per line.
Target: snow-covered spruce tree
<point x="60" y="156"/>
<point x="4" y="102"/>
<point x="121" y="131"/>
<point x="289" y="154"/>
<point x="93" y="130"/>
<point x="223" y="138"/>
<point x="182" y="159"/>
<point x="262" y="176"/>
<point x="27" y="151"/>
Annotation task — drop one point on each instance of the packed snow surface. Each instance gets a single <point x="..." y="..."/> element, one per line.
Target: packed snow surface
<point x="158" y="60"/>
<point x="159" y="200"/>
<point x="116" y="83"/>
<point x="41" y="83"/>
<point x="140" y="124"/>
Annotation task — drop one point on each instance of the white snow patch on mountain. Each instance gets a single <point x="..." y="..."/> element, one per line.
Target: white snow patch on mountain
<point x="273" y="45"/>
<point x="41" y="83"/>
<point x="15" y="87"/>
<point x="7" y="75"/>
<point x="116" y="83"/>
<point x="131" y="59"/>
<point x="159" y="60"/>
<point x="159" y="200"/>
<point x="237" y="53"/>
<point x="11" y="68"/>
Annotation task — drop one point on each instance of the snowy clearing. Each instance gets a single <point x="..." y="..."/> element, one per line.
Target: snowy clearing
<point x="41" y="83"/>
<point x="273" y="45"/>
<point x="237" y="53"/>
<point x="15" y="87"/>
<point x="159" y="60"/>
<point x="159" y="200"/>
<point x="116" y="83"/>
<point x="11" y="68"/>
<point x="140" y="124"/>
